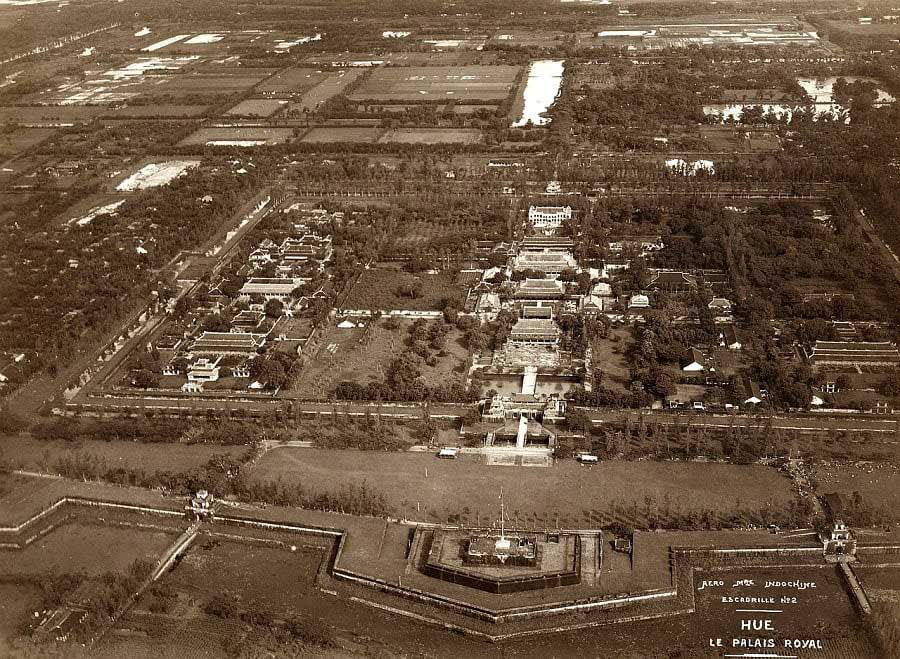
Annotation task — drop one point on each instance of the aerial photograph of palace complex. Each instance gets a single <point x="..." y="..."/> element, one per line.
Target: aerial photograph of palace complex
<point x="450" y="329"/>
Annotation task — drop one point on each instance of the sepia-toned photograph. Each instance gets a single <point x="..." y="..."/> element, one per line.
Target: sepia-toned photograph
<point x="449" y="329"/>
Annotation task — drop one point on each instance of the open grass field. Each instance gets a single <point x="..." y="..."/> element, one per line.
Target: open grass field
<point x="256" y="574"/>
<point x="580" y="496"/>
<point x="85" y="548"/>
<point x="610" y="356"/>
<point x="431" y="136"/>
<point x="467" y="83"/>
<point x="878" y="484"/>
<point x="17" y="492"/>
<point x="357" y="355"/>
<point x="377" y="288"/>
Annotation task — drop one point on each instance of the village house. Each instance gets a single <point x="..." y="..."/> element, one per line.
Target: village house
<point x="694" y="361"/>
<point x="728" y="338"/>
<point x="752" y="393"/>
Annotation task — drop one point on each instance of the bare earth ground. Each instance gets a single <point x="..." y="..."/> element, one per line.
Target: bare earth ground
<point x="424" y="488"/>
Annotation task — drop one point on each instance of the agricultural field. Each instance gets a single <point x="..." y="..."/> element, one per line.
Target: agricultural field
<point x="581" y="496"/>
<point x="195" y="83"/>
<point x="257" y="107"/>
<point x="18" y="140"/>
<point x="290" y="82"/>
<point x="465" y="83"/>
<point x="49" y="115"/>
<point x="342" y="134"/>
<point x="728" y="140"/>
<point x="383" y="288"/>
<point x="330" y="86"/>
<point x="157" y="110"/>
<point x="433" y="136"/>
<point x="238" y="136"/>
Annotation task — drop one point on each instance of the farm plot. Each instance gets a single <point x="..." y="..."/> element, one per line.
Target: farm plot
<point x="431" y="136"/>
<point x="161" y="110"/>
<point x="468" y="83"/>
<point x="257" y="107"/>
<point x="291" y="81"/>
<point x="238" y="136"/>
<point x="579" y="495"/>
<point x="332" y="135"/>
<point x="115" y="85"/>
<point x="49" y="116"/>
<point x="156" y="174"/>
<point x="332" y="85"/>
<point x="197" y="83"/>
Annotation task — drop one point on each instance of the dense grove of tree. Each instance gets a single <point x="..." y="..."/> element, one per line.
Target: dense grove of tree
<point x="225" y="433"/>
<point x="56" y="310"/>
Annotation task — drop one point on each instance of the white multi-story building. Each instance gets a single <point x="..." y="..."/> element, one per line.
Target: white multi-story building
<point x="204" y="370"/>
<point x="548" y="217"/>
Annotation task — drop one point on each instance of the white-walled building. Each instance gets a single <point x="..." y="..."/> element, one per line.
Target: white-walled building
<point x="548" y="217"/>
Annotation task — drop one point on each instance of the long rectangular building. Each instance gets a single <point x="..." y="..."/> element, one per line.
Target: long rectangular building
<point x="534" y="331"/>
<point x="227" y="343"/>
<point x="854" y="353"/>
